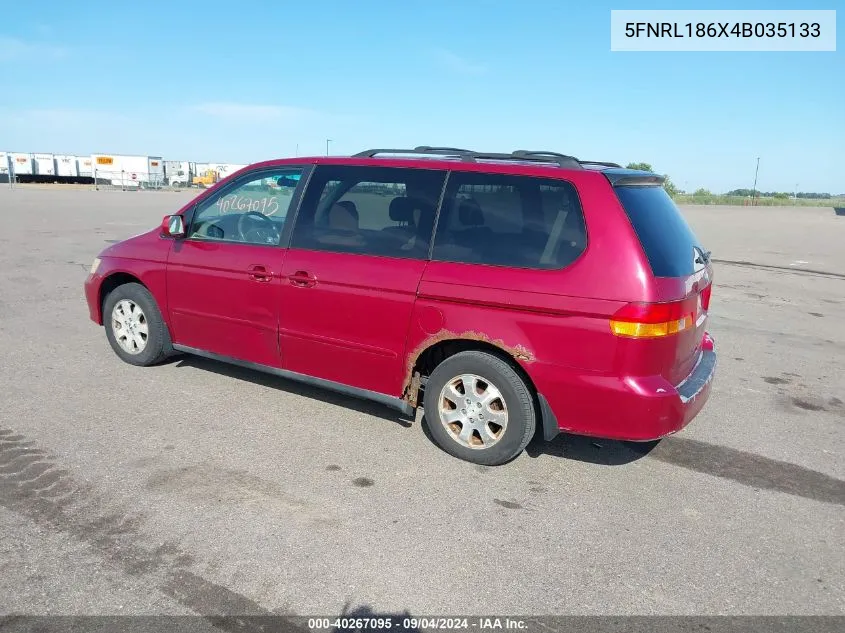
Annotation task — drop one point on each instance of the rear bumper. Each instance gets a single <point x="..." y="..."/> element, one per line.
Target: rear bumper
<point x="699" y="379"/>
<point x="625" y="408"/>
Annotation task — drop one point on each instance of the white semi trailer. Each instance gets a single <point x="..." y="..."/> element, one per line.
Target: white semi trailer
<point x="227" y="169"/>
<point x="22" y="164"/>
<point x="45" y="167"/>
<point x="123" y="170"/>
<point x="49" y="168"/>
<point x="128" y="171"/>
<point x="84" y="165"/>
<point x="67" y="167"/>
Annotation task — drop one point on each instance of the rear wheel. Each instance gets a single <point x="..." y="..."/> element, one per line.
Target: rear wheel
<point x="134" y="326"/>
<point x="479" y="409"/>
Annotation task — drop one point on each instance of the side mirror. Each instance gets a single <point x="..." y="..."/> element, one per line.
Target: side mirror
<point x="173" y="226"/>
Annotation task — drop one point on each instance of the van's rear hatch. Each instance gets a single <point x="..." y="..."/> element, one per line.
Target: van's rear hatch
<point x="671" y="326"/>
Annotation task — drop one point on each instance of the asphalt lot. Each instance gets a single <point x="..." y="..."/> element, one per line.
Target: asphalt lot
<point x="195" y="487"/>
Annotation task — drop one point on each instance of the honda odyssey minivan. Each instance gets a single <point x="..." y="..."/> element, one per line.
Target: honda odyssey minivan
<point x="507" y="294"/>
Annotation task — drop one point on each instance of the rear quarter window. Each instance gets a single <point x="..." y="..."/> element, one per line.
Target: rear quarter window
<point x="668" y="241"/>
<point x="505" y="220"/>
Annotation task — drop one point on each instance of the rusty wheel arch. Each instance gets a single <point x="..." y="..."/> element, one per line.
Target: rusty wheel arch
<point x="438" y="347"/>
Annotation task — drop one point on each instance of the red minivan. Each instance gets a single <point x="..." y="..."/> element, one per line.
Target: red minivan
<point x="502" y="292"/>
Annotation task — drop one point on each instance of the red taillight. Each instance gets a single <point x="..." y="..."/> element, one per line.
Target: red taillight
<point x="705" y="297"/>
<point x="651" y="320"/>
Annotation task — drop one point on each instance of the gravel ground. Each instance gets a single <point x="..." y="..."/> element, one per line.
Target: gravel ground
<point x="196" y="487"/>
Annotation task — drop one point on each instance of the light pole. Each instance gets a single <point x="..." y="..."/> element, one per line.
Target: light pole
<point x="328" y="140"/>
<point x="297" y="149"/>
<point x="754" y="189"/>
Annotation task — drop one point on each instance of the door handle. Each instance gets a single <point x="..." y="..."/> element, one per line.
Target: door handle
<point x="302" y="279"/>
<point x="259" y="273"/>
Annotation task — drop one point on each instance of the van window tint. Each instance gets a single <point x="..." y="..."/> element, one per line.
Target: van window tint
<point x="668" y="241"/>
<point x="510" y="221"/>
<point x="369" y="211"/>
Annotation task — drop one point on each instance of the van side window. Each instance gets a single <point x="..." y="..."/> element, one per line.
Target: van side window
<point x="503" y="220"/>
<point x="369" y="211"/>
<point x="252" y="212"/>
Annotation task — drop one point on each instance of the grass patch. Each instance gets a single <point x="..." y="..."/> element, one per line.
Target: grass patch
<point x="740" y="201"/>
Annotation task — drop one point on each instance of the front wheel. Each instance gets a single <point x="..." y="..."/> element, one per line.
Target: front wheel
<point x="134" y="326"/>
<point x="479" y="409"/>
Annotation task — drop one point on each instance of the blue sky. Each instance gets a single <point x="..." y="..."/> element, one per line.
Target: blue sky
<point x="241" y="82"/>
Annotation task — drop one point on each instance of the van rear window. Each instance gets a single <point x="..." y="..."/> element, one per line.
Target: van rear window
<point x="668" y="241"/>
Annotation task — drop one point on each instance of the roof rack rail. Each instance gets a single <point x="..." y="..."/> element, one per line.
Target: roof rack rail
<point x="429" y="149"/>
<point x="567" y="161"/>
<point x="563" y="160"/>
<point x="526" y="152"/>
<point x="370" y="153"/>
<point x="463" y="154"/>
<point x="598" y="162"/>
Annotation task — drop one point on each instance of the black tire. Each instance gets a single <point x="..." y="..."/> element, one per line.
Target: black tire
<point x="517" y="395"/>
<point x="158" y="345"/>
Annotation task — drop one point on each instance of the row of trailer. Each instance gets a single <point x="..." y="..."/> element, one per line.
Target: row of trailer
<point x="127" y="171"/>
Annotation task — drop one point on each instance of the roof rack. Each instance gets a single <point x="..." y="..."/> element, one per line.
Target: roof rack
<point x="463" y="154"/>
<point x="429" y="149"/>
<point x="562" y="160"/>
<point x="598" y="162"/>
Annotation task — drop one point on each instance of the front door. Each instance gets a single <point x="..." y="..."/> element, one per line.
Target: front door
<point x="224" y="280"/>
<point x="357" y="254"/>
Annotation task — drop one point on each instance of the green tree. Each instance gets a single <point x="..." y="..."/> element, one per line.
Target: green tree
<point x="640" y="166"/>
<point x="670" y="187"/>
<point x="702" y="192"/>
<point x="781" y="195"/>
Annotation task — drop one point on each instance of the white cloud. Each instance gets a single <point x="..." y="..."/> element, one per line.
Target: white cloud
<point x="250" y="113"/>
<point x="457" y="64"/>
<point x="15" y="49"/>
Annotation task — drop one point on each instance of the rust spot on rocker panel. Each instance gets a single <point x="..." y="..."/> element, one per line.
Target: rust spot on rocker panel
<point x="518" y="352"/>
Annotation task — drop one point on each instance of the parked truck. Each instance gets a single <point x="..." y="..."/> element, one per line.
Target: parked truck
<point x="179" y="173"/>
<point x="206" y="174"/>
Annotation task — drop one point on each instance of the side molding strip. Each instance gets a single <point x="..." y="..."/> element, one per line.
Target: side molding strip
<point x="363" y="394"/>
